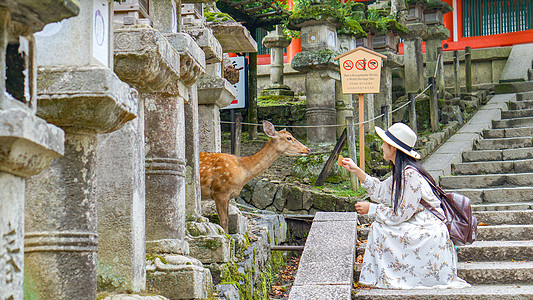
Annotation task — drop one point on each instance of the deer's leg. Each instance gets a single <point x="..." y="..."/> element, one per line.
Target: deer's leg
<point x="222" y="204"/>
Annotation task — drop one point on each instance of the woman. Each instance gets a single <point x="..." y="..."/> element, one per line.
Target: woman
<point x="408" y="247"/>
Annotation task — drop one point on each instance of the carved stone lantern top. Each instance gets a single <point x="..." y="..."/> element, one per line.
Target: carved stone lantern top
<point x="276" y="38"/>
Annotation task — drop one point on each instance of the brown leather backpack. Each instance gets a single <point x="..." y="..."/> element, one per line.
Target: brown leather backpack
<point x="462" y="225"/>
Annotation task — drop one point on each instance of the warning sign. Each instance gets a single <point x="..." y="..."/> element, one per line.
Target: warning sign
<point x="347" y="65"/>
<point x="373" y="64"/>
<point x="365" y="77"/>
<point x="360" y="64"/>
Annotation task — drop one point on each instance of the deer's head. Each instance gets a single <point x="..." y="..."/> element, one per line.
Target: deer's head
<point x="284" y="142"/>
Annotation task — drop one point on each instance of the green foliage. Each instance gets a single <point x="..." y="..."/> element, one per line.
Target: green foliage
<point x="341" y="14"/>
<point x="215" y="17"/>
<point x="379" y="21"/>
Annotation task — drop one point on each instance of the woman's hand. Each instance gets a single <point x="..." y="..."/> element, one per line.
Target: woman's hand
<point x="362" y="207"/>
<point x="349" y="164"/>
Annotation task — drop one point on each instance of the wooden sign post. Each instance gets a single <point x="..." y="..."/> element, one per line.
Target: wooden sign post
<point x="360" y="74"/>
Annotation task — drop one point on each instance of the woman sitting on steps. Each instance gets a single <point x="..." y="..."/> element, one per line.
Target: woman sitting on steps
<point x="408" y="247"/>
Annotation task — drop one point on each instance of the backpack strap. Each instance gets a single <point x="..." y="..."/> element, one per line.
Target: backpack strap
<point x="428" y="206"/>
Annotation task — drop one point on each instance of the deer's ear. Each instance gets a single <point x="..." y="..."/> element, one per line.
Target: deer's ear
<point x="269" y="129"/>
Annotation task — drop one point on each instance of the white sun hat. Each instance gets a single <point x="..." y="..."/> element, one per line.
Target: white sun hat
<point x="401" y="137"/>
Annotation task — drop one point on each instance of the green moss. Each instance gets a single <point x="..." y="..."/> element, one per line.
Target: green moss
<point x="379" y="21"/>
<point x="275" y="100"/>
<point x="107" y="279"/>
<point x="212" y="244"/>
<point x="151" y="257"/>
<point x="214" y="17"/>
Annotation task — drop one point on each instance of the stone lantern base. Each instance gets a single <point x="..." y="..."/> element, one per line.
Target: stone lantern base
<point x="277" y="90"/>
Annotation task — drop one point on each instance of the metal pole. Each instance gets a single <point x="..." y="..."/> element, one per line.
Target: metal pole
<point x="412" y="111"/>
<point x="433" y="104"/>
<point x="350" y="130"/>
<point x="468" y="69"/>
<point x="456" y="73"/>
<point x="361" y="131"/>
<point x="238" y="133"/>
<point x="232" y="131"/>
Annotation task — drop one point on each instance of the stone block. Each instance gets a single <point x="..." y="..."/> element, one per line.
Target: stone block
<point x="263" y="194"/>
<point x="137" y="46"/>
<point x="233" y="37"/>
<point x="294" y="197"/>
<point x="319" y="37"/>
<point x="322" y="292"/>
<point x="83" y="40"/>
<point x="325" y="267"/>
<point x="323" y="274"/>
<point x="215" y="90"/>
<point x="208" y="242"/>
<point x="206" y="40"/>
<point x="37" y="14"/>
<point x="209" y="128"/>
<point x="227" y="292"/>
<point x="192" y="58"/>
<point x="518" y="63"/>
<point x="120" y="196"/>
<point x="89" y="97"/>
<point x="237" y="223"/>
<point x="179" y="277"/>
<point x="27" y="143"/>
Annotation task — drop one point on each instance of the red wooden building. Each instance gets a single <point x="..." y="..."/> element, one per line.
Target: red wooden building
<point x="474" y="23"/>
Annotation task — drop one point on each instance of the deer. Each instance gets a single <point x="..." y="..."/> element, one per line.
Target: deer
<point x="222" y="175"/>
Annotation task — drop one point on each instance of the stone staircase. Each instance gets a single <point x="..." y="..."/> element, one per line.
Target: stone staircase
<point x="497" y="175"/>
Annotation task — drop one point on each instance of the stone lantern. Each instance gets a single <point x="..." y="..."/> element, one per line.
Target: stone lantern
<point x="276" y="41"/>
<point x="437" y="32"/>
<point x="416" y="12"/>
<point x="77" y="91"/>
<point x="319" y="48"/>
<point x="27" y="142"/>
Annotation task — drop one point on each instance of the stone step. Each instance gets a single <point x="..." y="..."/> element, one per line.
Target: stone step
<point x="476" y="292"/>
<point x="493" y="167"/>
<point x="504" y="143"/>
<point x="516" y="122"/>
<point x="507" y="272"/>
<point x="501" y="206"/>
<point x="524" y="104"/>
<point x="506" y="233"/>
<point x="513" y="87"/>
<point x="491" y="272"/>
<point x="508" y="132"/>
<point x="517" y="113"/>
<point x="496" y="195"/>
<point x="488" y="180"/>
<point x="488" y="233"/>
<point x="491" y="214"/>
<point x="495" y="155"/>
<point x="496" y="251"/>
<point x="524" y="96"/>
<point x="509" y="217"/>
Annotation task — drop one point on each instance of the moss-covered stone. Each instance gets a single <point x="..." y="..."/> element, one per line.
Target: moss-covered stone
<point x="306" y="60"/>
<point x="215" y="17"/>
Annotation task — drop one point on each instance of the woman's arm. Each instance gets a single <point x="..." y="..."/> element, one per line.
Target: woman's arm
<point x="407" y="204"/>
<point x="378" y="191"/>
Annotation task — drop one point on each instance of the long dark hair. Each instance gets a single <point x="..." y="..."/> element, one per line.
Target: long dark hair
<point x="402" y="161"/>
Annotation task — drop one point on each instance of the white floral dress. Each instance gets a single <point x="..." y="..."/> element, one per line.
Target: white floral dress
<point x="409" y="248"/>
